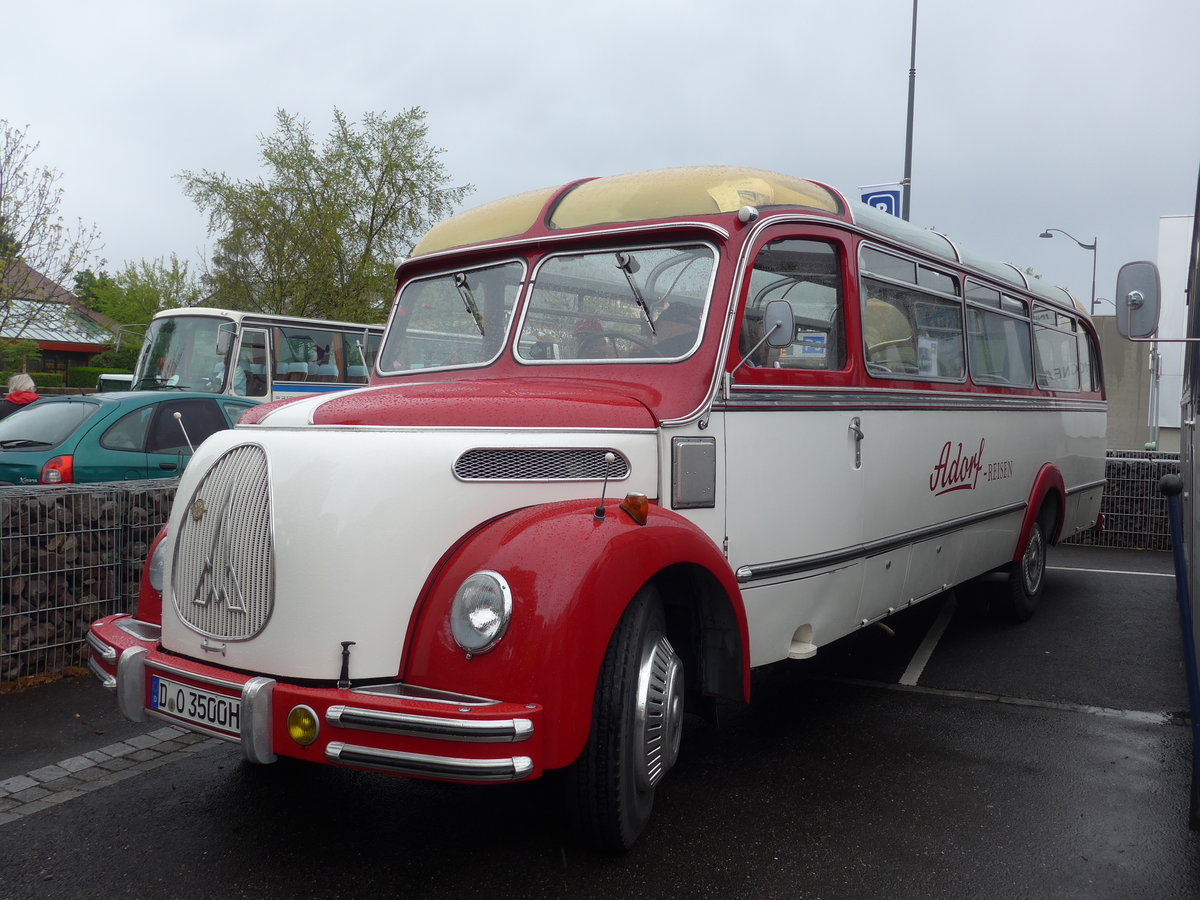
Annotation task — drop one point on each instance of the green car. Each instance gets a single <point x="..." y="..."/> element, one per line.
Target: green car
<point x="110" y="437"/>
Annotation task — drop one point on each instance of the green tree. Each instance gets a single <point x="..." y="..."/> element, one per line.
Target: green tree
<point x="15" y="356"/>
<point x="38" y="251"/>
<point x="321" y="233"/>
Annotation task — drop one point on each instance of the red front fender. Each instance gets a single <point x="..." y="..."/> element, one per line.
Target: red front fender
<point x="571" y="577"/>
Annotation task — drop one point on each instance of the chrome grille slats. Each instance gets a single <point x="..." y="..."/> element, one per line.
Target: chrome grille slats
<point x="222" y="576"/>
<point x="540" y="464"/>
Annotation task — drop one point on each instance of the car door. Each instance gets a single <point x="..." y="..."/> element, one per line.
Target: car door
<point x="170" y="441"/>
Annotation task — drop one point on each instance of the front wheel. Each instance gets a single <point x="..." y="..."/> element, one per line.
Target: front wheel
<point x="637" y="719"/>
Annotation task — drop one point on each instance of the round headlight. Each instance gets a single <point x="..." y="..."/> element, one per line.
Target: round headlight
<point x="480" y="612"/>
<point x="158" y="559"/>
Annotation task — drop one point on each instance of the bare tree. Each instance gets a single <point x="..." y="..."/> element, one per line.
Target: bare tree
<point x="38" y="252"/>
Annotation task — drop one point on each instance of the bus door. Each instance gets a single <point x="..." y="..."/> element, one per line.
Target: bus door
<point x="794" y="480"/>
<point x="253" y="367"/>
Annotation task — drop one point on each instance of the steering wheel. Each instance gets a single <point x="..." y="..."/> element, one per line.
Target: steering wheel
<point x="637" y="340"/>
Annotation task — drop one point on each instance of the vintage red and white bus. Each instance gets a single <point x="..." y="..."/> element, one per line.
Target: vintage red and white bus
<point x="682" y="423"/>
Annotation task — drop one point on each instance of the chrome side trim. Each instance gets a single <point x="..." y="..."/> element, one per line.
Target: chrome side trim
<point x="801" y="564"/>
<point x="766" y="397"/>
<point x="108" y="682"/>
<point x="449" y="768"/>
<point x="427" y="695"/>
<point x="101" y="649"/>
<point x="257" y="694"/>
<point x="410" y="725"/>
<point x="131" y="684"/>
<point x="143" y="631"/>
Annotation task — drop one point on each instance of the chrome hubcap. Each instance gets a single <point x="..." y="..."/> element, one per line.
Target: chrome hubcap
<point x="1032" y="562"/>
<point x="659" y="711"/>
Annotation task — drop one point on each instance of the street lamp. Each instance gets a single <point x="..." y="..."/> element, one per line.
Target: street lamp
<point x="1083" y="246"/>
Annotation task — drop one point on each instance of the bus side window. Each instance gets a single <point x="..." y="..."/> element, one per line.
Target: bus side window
<point x="807" y="274"/>
<point x="912" y="318"/>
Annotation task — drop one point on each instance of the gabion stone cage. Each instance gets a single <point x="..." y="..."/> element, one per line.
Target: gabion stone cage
<point x="68" y="556"/>
<point x="1135" y="513"/>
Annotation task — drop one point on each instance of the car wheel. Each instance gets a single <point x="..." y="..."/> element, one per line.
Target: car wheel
<point x="637" y="719"/>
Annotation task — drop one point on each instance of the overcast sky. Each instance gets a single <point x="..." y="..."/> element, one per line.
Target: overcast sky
<point x="1082" y="115"/>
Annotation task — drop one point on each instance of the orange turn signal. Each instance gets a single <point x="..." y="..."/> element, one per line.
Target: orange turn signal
<point x="637" y="506"/>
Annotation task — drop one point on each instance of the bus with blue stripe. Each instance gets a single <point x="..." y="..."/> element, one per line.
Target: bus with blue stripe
<point x="254" y="355"/>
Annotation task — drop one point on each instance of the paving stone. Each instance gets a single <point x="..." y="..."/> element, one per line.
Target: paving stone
<point x="142" y="741"/>
<point x="190" y="737"/>
<point x="75" y="763"/>
<point x="30" y="808"/>
<point x="97" y="756"/>
<point x="90" y="774"/>
<point x="115" y="765"/>
<point x="143" y="755"/>
<point x="7" y="803"/>
<point x="48" y="773"/>
<point x="5" y="818"/>
<point x="17" y="783"/>
<point x="63" y="796"/>
<point x="114" y="750"/>
<point x="166" y="734"/>
<point x="30" y="794"/>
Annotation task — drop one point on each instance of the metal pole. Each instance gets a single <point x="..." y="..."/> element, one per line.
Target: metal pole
<point x="1095" y="243"/>
<point x="906" y="186"/>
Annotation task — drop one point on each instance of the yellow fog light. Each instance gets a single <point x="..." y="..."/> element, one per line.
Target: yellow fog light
<point x="303" y="725"/>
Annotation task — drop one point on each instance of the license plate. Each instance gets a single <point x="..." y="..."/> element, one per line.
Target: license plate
<point x="215" y="712"/>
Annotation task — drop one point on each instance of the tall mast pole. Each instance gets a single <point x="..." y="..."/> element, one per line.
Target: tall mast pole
<point x="906" y="185"/>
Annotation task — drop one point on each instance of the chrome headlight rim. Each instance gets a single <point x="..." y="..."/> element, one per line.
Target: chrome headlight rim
<point x="467" y="634"/>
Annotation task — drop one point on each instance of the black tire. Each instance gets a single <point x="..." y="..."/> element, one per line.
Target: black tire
<point x="637" y="718"/>
<point x="1027" y="576"/>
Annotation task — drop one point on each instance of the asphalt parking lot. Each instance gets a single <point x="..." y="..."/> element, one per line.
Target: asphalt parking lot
<point x="959" y="756"/>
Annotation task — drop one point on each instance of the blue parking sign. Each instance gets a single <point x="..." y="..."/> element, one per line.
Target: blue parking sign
<point x="885" y="200"/>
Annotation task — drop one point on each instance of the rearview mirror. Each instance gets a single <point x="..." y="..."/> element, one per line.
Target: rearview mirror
<point x="1137" y="300"/>
<point x="779" y="323"/>
<point x="224" y="340"/>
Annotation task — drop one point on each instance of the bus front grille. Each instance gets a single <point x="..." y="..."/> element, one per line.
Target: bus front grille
<point x="222" y="577"/>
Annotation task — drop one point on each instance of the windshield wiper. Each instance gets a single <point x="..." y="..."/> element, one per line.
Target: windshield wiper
<point x="628" y="265"/>
<point x="23" y="442"/>
<point x="468" y="299"/>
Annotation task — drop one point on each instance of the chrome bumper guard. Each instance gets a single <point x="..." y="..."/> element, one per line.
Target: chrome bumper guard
<point x="445" y="767"/>
<point x="256" y="694"/>
<point x="483" y="731"/>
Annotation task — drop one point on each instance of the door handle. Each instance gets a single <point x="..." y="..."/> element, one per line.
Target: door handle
<point x="856" y="430"/>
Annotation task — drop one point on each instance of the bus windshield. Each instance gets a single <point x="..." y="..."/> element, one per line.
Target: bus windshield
<point x="643" y="303"/>
<point x="186" y="353"/>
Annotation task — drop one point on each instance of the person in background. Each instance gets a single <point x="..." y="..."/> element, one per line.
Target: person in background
<point x="21" y="392"/>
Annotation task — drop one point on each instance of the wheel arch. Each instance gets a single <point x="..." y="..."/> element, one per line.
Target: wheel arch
<point x="572" y="578"/>
<point x="1048" y="492"/>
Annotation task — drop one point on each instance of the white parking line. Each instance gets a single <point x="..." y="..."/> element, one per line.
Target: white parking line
<point x="1109" y="571"/>
<point x="917" y="664"/>
<point x="1132" y="715"/>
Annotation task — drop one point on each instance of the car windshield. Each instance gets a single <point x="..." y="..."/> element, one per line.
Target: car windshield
<point x="44" y="424"/>
<point x="639" y="303"/>
<point x="185" y="353"/>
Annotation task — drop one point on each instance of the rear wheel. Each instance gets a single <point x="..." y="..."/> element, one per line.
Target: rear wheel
<point x="1027" y="575"/>
<point x="637" y="718"/>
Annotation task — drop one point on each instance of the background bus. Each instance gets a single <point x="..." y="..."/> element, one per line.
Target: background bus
<point x="252" y="355"/>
